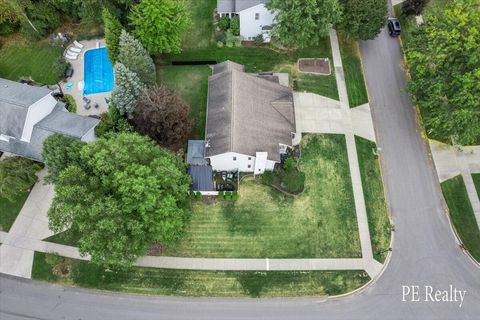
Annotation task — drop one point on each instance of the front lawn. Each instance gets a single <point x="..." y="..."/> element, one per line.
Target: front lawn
<point x="22" y="60"/>
<point x="352" y="67"/>
<point x="476" y="181"/>
<point x="10" y="210"/>
<point x="253" y="284"/>
<point x="190" y="83"/>
<point x="462" y="215"/>
<point x="377" y="213"/>
<point x="320" y="223"/>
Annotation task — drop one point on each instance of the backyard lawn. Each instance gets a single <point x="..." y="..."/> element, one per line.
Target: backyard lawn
<point x="476" y="181"/>
<point x="320" y="223"/>
<point x="201" y="34"/>
<point x="197" y="283"/>
<point x="191" y="83"/>
<point x="378" y="219"/>
<point x="10" y="210"/>
<point x="352" y="67"/>
<point x="19" y="60"/>
<point x="461" y="213"/>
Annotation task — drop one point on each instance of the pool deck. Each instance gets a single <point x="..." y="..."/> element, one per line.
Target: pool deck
<point x="77" y="78"/>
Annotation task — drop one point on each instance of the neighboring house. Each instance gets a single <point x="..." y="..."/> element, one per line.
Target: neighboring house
<point x="28" y="115"/>
<point x="250" y="120"/>
<point x="255" y="18"/>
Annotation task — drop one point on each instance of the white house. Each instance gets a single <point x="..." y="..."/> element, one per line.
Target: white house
<point x="250" y="120"/>
<point x="28" y="115"/>
<point x="255" y="18"/>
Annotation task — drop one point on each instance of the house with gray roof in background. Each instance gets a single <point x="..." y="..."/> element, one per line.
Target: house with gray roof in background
<point x="250" y="119"/>
<point x="29" y="114"/>
<point x="254" y="17"/>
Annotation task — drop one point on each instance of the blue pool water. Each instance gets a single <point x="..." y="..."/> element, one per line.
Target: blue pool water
<point x="98" y="72"/>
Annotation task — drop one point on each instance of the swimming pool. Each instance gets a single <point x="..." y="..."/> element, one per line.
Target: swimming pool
<point x="97" y="72"/>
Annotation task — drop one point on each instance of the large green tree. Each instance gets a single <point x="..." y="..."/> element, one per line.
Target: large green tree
<point x="113" y="29"/>
<point x="302" y="23"/>
<point x="159" y="24"/>
<point x="363" y="20"/>
<point x="444" y="60"/>
<point x="58" y="152"/>
<point x="134" y="56"/>
<point x="128" y="87"/>
<point x="17" y="174"/>
<point x="123" y="194"/>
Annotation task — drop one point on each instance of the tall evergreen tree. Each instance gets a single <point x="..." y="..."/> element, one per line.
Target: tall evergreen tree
<point x="134" y="56"/>
<point x="128" y="88"/>
<point x="363" y="20"/>
<point x="113" y="30"/>
<point x="301" y="23"/>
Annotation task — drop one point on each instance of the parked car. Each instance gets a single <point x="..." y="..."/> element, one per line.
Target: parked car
<point x="394" y="28"/>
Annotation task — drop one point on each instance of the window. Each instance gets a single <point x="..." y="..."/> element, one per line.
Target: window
<point x="234" y="158"/>
<point x="257" y="16"/>
<point x="249" y="158"/>
<point x="249" y="166"/>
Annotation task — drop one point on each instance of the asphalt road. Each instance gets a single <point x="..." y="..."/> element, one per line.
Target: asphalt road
<point x="425" y="251"/>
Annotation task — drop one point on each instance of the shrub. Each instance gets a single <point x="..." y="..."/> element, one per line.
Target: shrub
<point x="221" y="36"/>
<point x="219" y="44"/>
<point x="229" y="44"/>
<point x="258" y="40"/>
<point x="192" y="195"/>
<point x="59" y="67"/>
<point x="112" y="122"/>
<point x="235" y="26"/>
<point x="288" y="164"/>
<point x="235" y="195"/>
<point x="224" y="23"/>
<point x="221" y="195"/>
<point x="413" y="7"/>
<point x="198" y="196"/>
<point x="71" y="104"/>
<point x="267" y="177"/>
<point x="238" y="42"/>
<point x="294" y="181"/>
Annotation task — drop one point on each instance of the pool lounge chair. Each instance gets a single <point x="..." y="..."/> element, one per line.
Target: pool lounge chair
<point x="78" y="44"/>
<point x="72" y="53"/>
<point x="71" y="57"/>
<point x="74" y="49"/>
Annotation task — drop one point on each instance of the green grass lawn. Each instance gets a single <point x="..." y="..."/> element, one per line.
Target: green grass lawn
<point x="197" y="283"/>
<point x="191" y="83"/>
<point x="201" y="34"/>
<point x="476" y="181"/>
<point x="10" y="210"/>
<point x="378" y="220"/>
<point x="461" y="213"/>
<point x="352" y="67"/>
<point x="19" y="60"/>
<point x="319" y="223"/>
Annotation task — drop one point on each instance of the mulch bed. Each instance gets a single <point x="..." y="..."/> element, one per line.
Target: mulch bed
<point x="251" y="44"/>
<point x="317" y="66"/>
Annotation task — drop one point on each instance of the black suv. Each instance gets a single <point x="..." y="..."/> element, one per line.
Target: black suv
<point x="394" y="27"/>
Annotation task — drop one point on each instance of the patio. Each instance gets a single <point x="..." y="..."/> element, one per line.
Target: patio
<point x="77" y="81"/>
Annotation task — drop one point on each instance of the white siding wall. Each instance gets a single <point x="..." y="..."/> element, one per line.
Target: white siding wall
<point x="89" y="136"/>
<point x="225" y="162"/>
<point x="249" y="27"/>
<point x="37" y="112"/>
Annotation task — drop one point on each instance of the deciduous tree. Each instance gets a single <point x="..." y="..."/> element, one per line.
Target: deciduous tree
<point x="134" y="56"/>
<point x="301" y="23"/>
<point x="444" y="60"/>
<point x="17" y="174"/>
<point x="414" y="7"/>
<point x="164" y="117"/>
<point x="363" y="20"/>
<point x="124" y="194"/>
<point x="159" y="24"/>
<point x="128" y="87"/>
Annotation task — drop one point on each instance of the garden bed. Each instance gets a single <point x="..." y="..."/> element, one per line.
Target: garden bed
<point x="314" y="65"/>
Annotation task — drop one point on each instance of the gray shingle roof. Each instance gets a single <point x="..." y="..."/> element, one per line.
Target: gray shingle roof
<point x="248" y="114"/>
<point x="237" y="5"/>
<point x="202" y="178"/>
<point x="196" y="152"/>
<point x="15" y="99"/>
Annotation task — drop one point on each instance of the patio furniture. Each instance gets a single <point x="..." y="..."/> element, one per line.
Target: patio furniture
<point x="68" y="86"/>
<point x="71" y="53"/>
<point x="86" y="103"/>
<point x="95" y="105"/>
<point x="75" y="49"/>
<point x="69" y="71"/>
<point x="78" y="44"/>
<point x="71" y="57"/>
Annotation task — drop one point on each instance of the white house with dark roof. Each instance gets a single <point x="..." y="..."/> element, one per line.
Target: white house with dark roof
<point x="29" y="114"/>
<point x="250" y="120"/>
<point x="254" y="16"/>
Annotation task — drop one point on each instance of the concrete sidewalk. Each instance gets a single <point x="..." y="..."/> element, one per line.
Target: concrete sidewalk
<point x="31" y="223"/>
<point x="453" y="161"/>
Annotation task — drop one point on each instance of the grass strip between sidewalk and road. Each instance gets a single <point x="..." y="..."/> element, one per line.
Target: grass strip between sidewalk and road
<point x="461" y="213"/>
<point x="377" y="212"/>
<point x="476" y="181"/>
<point x="78" y="273"/>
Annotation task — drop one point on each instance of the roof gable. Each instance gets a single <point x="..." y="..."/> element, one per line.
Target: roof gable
<point x="237" y="5"/>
